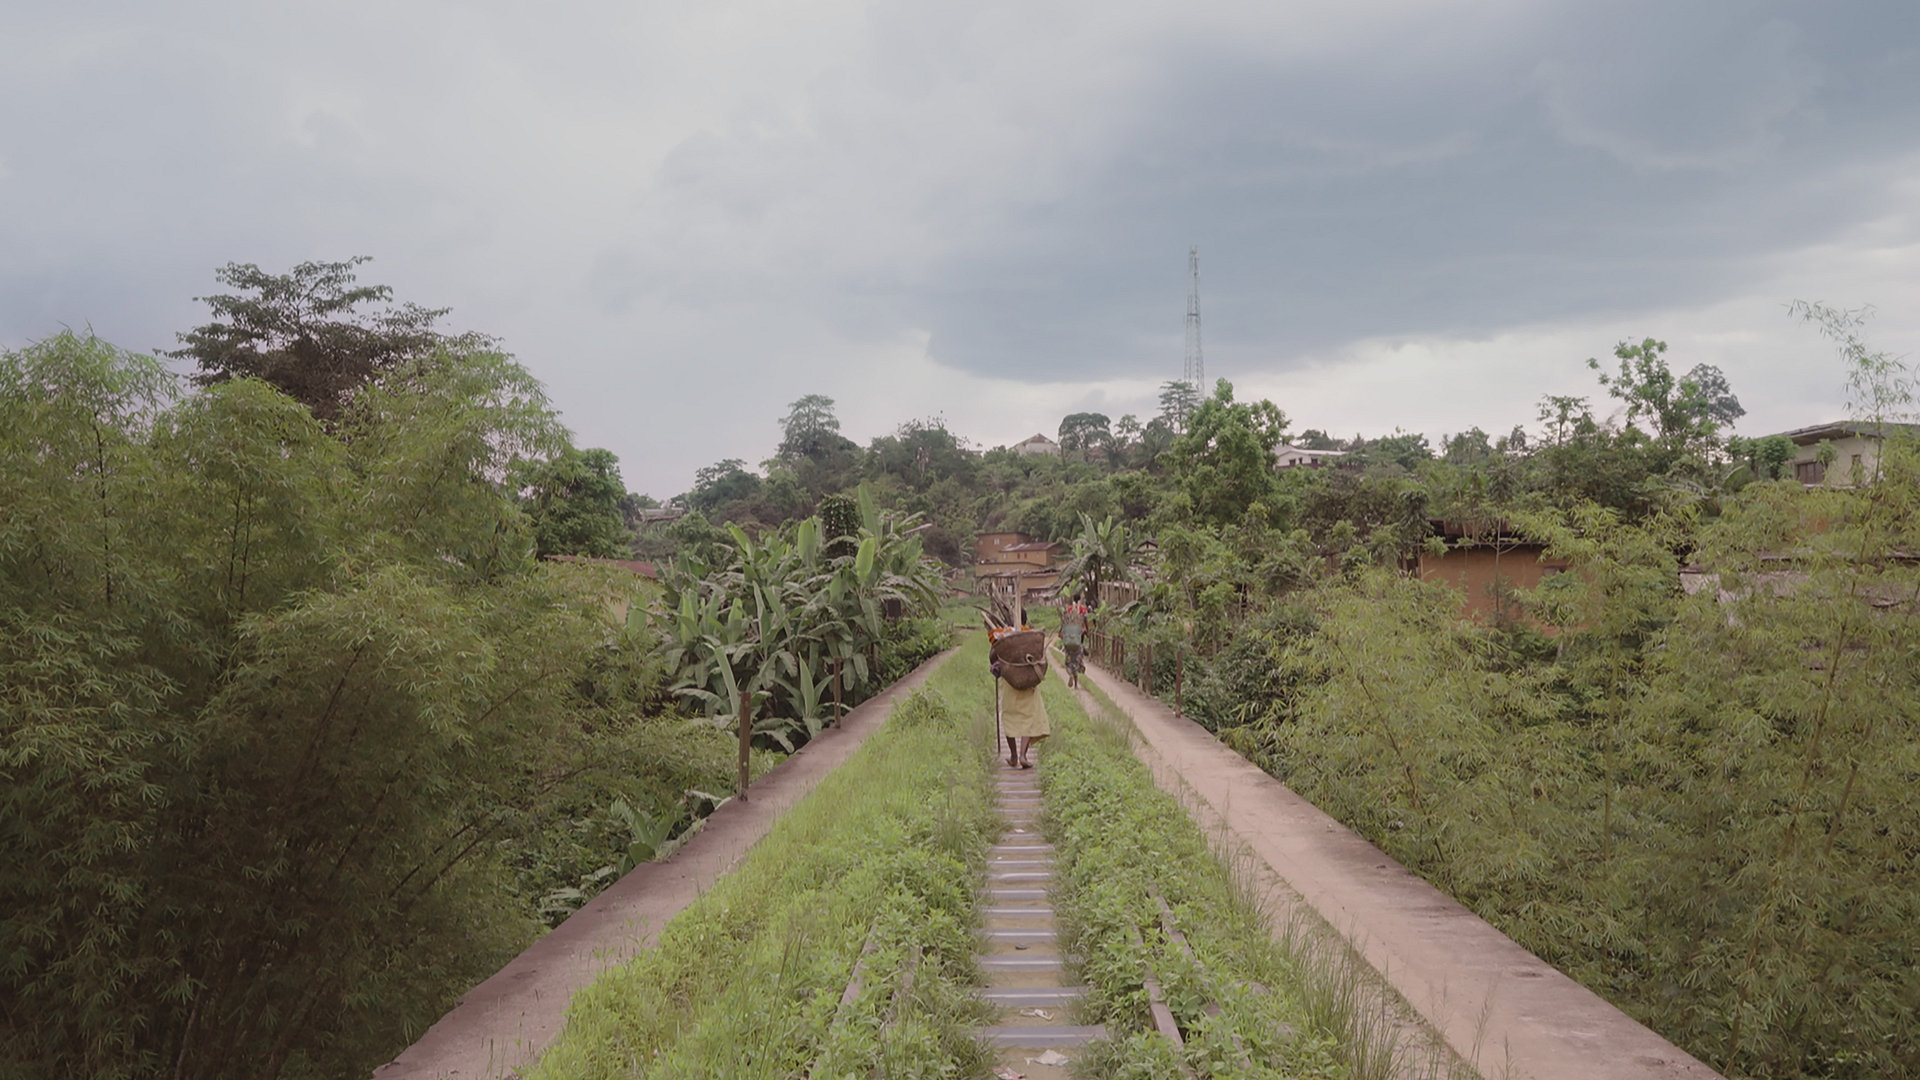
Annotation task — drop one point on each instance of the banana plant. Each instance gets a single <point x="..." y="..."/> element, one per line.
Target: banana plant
<point x="785" y="613"/>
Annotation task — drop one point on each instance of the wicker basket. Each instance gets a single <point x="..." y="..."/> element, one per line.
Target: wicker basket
<point x="1022" y="656"/>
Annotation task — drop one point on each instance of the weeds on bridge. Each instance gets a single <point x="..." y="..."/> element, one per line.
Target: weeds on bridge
<point x="874" y="869"/>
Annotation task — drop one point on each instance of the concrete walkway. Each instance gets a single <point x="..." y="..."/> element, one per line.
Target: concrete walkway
<point x="1498" y="1006"/>
<point x="508" y="1020"/>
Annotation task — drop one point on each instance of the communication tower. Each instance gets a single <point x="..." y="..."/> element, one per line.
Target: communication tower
<point x="1196" y="366"/>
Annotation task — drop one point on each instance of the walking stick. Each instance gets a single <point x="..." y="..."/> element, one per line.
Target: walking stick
<point x="997" y="737"/>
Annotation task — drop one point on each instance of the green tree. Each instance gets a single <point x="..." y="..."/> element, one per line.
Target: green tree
<point x="575" y="501"/>
<point x="721" y="483"/>
<point x="810" y="427"/>
<point x="1155" y="439"/>
<point x="1764" y="458"/>
<point x="1224" y="460"/>
<point x="920" y="453"/>
<point x="1470" y="447"/>
<point x="1085" y="432"/>
<point x="306" y="333"/>
<point x="1407" y="449"/>
<point x="271" y="704"/>
<point x="1564" y="415"/>
<point x="1685" y="412"/>
<point x="1178" y="399"/>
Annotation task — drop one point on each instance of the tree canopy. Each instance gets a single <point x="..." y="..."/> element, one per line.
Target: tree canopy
<point x="576" y="503"/>
<point x="1085" y="432"/>
<point x="810" y="427"/>
<point x="310" y="333"/>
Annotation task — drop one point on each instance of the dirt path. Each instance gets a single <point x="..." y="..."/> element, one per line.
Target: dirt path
<point x="508" y="1020"/>
<point x="1499" y="1007"/>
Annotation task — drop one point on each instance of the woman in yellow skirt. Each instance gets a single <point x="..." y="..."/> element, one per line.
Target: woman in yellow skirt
<point x="1023" y="720"/>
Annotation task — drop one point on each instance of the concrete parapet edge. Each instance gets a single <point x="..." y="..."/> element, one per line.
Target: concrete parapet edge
<point x="1502" y="1009"/>
<point x="508" y="1020"/>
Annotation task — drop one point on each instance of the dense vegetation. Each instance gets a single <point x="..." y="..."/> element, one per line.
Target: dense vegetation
<point x="874" y="868"/>
<point x="277" y="704"/>
<point x="299" y="735"/>
<point x="1249" y="1007"/>
<point x="1696" y="803"/>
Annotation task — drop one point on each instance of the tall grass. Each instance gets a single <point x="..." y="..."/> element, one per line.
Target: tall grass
<point x="880" y="859"/>
<point x="1296" y="1005"/>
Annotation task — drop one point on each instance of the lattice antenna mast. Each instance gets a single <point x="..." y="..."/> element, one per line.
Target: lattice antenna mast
<point x="1196" y="366"/>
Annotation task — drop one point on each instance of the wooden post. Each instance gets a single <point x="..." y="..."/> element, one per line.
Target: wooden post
<point x="1179" y="675"/>
<point x="837" y="707"/>
<point x="746" y="738"/>
<point x="1146" y="670"/>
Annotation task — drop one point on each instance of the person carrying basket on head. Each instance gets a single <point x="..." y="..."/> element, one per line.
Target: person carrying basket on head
<point x="1019" y="659"/>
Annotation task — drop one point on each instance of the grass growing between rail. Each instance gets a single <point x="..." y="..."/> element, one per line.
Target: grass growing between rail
<point x="1250" y="1006"/>
<point x="876" y="868"/>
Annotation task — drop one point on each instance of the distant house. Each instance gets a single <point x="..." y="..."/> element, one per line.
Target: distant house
<point x="1288" y="456"/>
<point x="1856" y="451"/>
<point x="1037" y="444"/>
<point x="1005" y="556"/>
<point x="1487" y="566"/>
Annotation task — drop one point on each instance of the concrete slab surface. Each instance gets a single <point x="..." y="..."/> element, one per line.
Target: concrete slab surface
<point x="1502" y="1009"/>
<point x="508" y="1020"/>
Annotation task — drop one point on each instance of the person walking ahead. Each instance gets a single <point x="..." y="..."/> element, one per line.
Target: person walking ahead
<point x="1073" y="641"/>
<point x="1023" y="720"/>
<point x="1019" y="659"/>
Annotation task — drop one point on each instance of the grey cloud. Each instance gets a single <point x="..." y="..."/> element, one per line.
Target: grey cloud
<point x="1620" y="158"/>
<point x="638" y="196"/>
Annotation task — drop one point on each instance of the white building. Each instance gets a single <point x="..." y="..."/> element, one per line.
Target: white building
<point x="1856" y="451"/>
<point x="1288" y="456"/>
<point x="1037" y="444"/>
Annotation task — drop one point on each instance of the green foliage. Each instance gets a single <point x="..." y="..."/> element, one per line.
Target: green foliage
<point x="1880" y="386"/>
<point x="1685" y="412"/>
<point x="1224" y="459"/>
<point x="277" y="707"/>
<point x="1178" y="399"/>
<point x="302" y="333"/>
<point x="1085" y="433"/>
<point x="721" y="483"/>
<point x="810" y="428"/>
<point x="840" y="517"/>
<point x="908" y="643"/>
<point x="1104" y="551"/>
<point x="1766" y="458"/>
<point x="783" y="614"/>
<point x="881" y="857"/>
<point x="574" y="503"/>
<point x="1694" y="804"/>
<point x="1404" y="449"/>
<point x="1116" y="837"/>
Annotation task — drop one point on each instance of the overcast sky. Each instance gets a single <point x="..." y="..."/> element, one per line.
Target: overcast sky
<point x="682" y="217"/>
